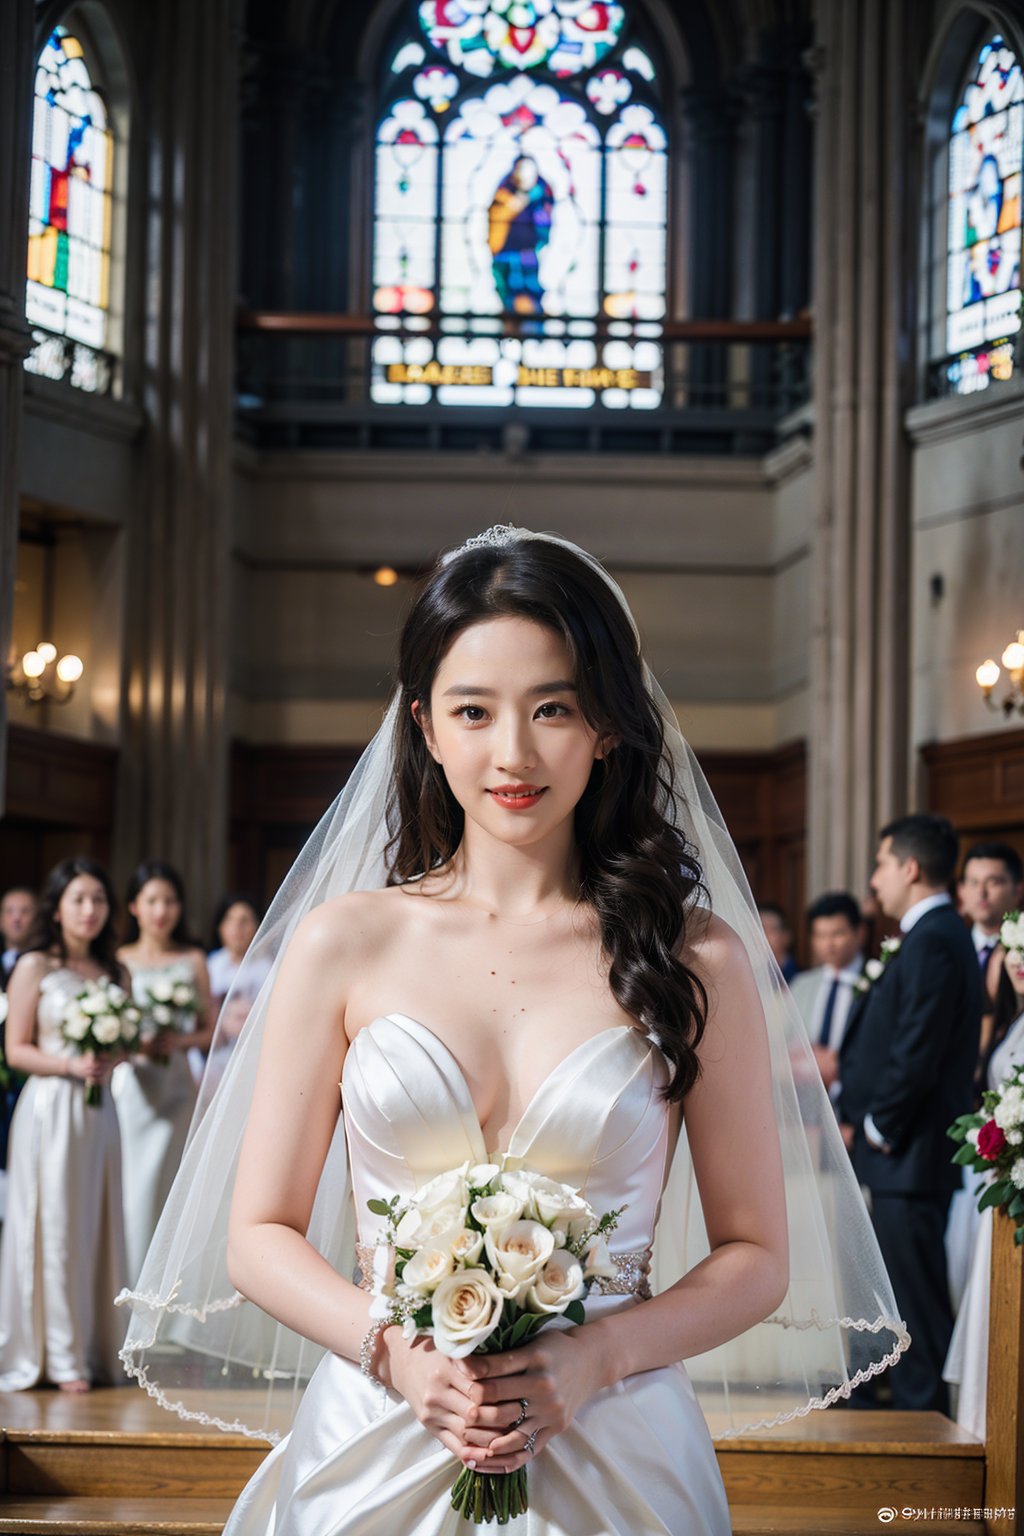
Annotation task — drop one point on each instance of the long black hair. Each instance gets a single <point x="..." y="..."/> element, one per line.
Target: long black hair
<point x="156" y="869"/>
<point x="637" y="869"/>
<point x="47" y="934"/>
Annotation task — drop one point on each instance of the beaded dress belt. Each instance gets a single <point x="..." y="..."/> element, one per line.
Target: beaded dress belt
<point x="630" y="1278"/>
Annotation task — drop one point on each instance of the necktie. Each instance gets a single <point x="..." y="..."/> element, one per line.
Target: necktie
<point x="830" y="1008"/>
<point x="984" y="954"/>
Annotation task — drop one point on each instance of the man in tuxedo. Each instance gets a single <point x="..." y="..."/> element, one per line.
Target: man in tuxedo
<point x="17" y="914"/>
<point x="992" y="883"/>
<point x="906" y="1066"/>
<point x="825" y="994"/>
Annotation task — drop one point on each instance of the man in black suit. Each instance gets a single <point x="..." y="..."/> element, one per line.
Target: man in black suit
<point x="907" y="1065"/>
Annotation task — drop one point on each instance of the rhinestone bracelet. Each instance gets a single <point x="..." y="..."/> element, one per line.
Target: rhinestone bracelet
<point x="368" y="1348"/>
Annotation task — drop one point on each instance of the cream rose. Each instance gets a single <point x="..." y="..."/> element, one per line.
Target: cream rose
<point x="447" y="1189"/>
<point x="161" y="991"/>
<point x="598" y="1261"/>
<point x="106" y="1029"/>
<point x="466" y="1309"/>
<point x="428" y="1267"/>
<point x="496" y="1212"/>
<point x="467" y="1246"/>
<point x="559" y="1283"/>
<point x="518" y="1254"/>
<point x="482" y="1174"/>
<point x="559" y="1205"/>
<point x="77" y="1026"/>
<point x="93" y="1003"/>
<point x="181" y="995"/>
<point x="418" y="1228"/>
<point x="163" y="1016"/>
<point x="115" y="993"/>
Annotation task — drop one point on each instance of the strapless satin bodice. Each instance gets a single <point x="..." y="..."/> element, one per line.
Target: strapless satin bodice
<point x="598" y="1121"/>
<point x="56" y="990"/>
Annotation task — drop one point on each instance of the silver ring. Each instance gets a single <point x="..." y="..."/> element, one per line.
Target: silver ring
<point x="531" y="1441"/>
<point x="524" y="1409"/>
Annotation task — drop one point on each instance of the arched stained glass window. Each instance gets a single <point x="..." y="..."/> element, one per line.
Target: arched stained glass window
<point x="70" y="220"/>
<point x="986" y="147"/>
<point x="521" y="207"/>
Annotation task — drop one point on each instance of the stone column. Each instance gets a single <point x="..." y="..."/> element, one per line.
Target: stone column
<point x="173" y="790"/>
<point x="711" y="112"/>
<point x="17" y="45"/>
<point x="863" y="308"/>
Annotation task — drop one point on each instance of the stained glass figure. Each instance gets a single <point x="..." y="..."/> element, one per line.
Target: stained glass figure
<point x="70" y="217"/>
<point x="983" y="300"/>
<point x="521" y="207"/>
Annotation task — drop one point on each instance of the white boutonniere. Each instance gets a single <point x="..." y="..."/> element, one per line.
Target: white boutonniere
<point x="1011" y="935"/>
<point x="875" y="969"/>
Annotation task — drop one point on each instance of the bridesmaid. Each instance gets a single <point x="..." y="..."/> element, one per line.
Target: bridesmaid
<point x="154" y="1092"/>
<point x="62" y="1260"/>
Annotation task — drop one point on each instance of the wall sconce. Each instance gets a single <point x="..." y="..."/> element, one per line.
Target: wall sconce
<point x="42" y="676"/>
<point x="988" y="675"/>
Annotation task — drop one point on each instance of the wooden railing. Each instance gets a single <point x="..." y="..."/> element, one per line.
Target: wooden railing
<point x="1004" y="1404"/>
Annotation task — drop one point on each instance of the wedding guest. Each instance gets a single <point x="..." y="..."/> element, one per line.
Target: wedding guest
<point x="234" y="927"/>
<point x="154" y="1092"/>
<point x="17" y="914"/>
<point x="906" y="1065"/>
<point x="62" y="1259"/>
<point x="967" y="1361"/>
<point x="779" y="933"/>
<point x="825" y="994"/>
<point x="992" y="882"/>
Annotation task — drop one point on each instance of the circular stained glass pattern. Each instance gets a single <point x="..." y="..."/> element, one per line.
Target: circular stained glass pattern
<point x="564" y="36"/>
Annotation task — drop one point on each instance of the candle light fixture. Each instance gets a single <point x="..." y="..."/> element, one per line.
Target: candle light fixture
<point x="989" y="673"/>
<point x="43" y="675"/>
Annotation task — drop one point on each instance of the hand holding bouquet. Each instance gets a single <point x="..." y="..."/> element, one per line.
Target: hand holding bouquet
<point x="100" y="1019"/>
<point x="483" y="1257"/>
<point x="169" y="1009"/>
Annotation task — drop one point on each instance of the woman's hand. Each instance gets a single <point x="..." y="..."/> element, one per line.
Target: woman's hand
<point x="90" y="1068"/>
<point x="556" y="1373"/>
<point x="437" y="1390"/>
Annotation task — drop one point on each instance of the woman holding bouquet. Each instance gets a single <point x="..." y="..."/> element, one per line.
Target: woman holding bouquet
<point x="500" y="942"/>
<point x="62" y="1257"/>
<point x="154" y="1091"/>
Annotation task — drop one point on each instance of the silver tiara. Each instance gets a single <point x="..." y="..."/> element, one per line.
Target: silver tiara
<point x="498" y="537"/>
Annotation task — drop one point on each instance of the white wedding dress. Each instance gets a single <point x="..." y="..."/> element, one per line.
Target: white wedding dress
<point x="967" y="1360"/>
<point x="638" y="1460"/>
<point x="154" y="1102"/>
<point x="62" y="1257"/>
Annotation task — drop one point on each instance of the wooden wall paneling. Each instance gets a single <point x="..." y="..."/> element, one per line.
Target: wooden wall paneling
<point x="60" y="801"/>
<point x="978" y="782"/>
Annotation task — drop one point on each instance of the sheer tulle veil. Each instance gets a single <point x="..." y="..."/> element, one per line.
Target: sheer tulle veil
<point x="197" y="1346"/>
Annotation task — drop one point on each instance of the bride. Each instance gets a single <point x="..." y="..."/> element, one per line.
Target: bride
<point x="540" y="975"/>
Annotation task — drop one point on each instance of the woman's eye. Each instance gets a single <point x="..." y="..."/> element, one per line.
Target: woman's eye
<point x="552" y="711"/>
<point x="471" y="712"/>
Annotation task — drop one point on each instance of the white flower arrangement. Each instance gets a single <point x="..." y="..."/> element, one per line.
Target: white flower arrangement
<point x="875" y="969"/>
<point x="1011" y="936"/>
<point x="989" y="1142"/>
<point x="100" y="1018"/>
<point x="168" y="1008"/>
<point x="478" y="1260"/>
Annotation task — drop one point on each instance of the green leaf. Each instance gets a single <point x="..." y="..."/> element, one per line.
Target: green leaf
<point x="576" y="1312"/>
<point x="1018" y="1237"/>
<point x="965" y="1157"/>
<point x="1016" y="1206"/>
<point x="994" y="1195"/>
<point x="379" y="1207"/>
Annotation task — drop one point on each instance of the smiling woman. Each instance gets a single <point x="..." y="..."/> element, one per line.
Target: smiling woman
<point x="505" y="946"/>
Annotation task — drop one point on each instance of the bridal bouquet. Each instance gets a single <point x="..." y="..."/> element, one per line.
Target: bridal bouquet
<point x="483" y="1257"/>
<point x="99" y="1018"/>
<point x="168" y="1008"/>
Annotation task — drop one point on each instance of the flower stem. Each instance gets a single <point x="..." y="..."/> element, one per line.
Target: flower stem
<point x="93" y="1095"/>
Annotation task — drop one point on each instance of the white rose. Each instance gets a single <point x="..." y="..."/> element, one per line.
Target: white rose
<point x="161" y="991"/>
<point x="467" y="1246"/>
<point x="129" y="1027"/>
<point x="518" y="1254"/>
<point x="559" y="1283"/>
<point x="447" y="1189"/>
<point x="1015" y="1137"/>
<point x="182" y="995"/>
<point x="416" y="1228"/>
<point x="466" y="1309"/>
<point x="93" y="1003"/>
<point x="972" y="1135"/>
<point x="1017" y="1173"/>
<point x="598" y="1261"/>
<point x="77" y="1026"/>
<point x="559" y="1205"/>
<point x="873" y="969"/>
<point x="496" y="1212"/>
<point x="427" y="1268"/>
<point x="1009" y="1112"/>
<point x="107" y="1029"/>
<point x="481" y="1174"/>
<point x="115" y="993"/>
<point x="163" y="1016"/>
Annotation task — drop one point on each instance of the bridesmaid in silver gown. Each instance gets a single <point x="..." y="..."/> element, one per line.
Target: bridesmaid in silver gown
<point x="62" y="1258"/>
<point x="154" y="1091"/>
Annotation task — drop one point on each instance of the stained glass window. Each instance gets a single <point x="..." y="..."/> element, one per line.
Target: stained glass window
<point x="521" y="206"/>
<point x="983" y="300"/>
<point x="70" y="216"/>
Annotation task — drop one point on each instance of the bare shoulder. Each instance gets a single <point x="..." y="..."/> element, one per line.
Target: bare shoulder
<point x="31" y="968"/>
<point x="197" y="956"/>
<point x="355" y="923"/>
<point x="712" y="948"/>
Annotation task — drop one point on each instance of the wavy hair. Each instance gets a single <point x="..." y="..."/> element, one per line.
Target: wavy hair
<point x="46" y="934"/>
<point x="636" y="868"/>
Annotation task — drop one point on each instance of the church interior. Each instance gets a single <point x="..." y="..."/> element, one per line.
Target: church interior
<point x="294" y="298"/>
